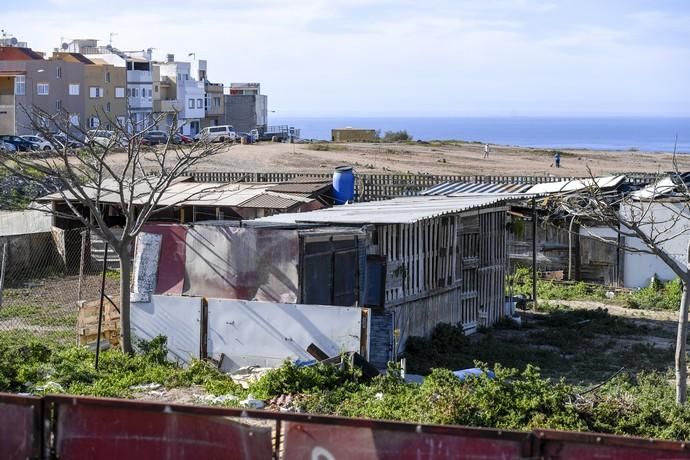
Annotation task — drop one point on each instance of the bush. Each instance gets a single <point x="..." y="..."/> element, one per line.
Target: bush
<point x="396" y="136"/>
<point x="657" y="296"/>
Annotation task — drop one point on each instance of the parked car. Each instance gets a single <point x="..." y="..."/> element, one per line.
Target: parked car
<point x="7" y="147"/>
<point x="69" y="142"/>
<point x="22" y="145"/>
<point x="154" y="137"/>
<point x="182" y="139"/>
<point x="38" y="140"/>
<point x="220" y="133"/>
<point x="104" y="138"/>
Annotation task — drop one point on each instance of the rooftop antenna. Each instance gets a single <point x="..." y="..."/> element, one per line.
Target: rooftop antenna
<point x="112" y="34"/>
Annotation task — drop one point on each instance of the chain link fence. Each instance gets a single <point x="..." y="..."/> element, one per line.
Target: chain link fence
<point x="45" y="277"/>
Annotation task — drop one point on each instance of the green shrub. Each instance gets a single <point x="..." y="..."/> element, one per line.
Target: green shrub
<point x="657" y="296"/>
<point x="396" y="136"/>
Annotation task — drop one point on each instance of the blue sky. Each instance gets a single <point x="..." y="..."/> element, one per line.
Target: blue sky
<point x="405" y="58"/>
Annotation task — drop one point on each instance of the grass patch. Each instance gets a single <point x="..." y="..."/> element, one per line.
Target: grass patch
<point x="37" y="315"/>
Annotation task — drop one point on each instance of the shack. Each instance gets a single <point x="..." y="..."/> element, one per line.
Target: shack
<point x="353" y="135"/>
<point x="411" y="262"/>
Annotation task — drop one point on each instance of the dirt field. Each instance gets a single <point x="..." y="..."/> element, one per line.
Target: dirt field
<point x="436" y="158"/>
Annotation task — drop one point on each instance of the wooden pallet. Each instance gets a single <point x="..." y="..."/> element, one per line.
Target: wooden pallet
<point x="87" y="323"/>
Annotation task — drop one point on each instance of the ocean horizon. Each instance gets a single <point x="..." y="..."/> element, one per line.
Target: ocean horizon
<point x="644" y="134"/>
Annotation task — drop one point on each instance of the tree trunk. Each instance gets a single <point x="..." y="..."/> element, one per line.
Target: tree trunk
<point x="681" y="341"/>
<point x="125" y="327"/>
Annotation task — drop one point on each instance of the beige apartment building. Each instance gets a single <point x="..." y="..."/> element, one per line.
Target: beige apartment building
<point x="90" y="93"/>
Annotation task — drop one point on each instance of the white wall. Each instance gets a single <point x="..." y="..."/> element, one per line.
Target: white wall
<point x="178" y="318"/>
<point x="265" y="334"/>
<point x="639" y="268"/>
<point x="23" y="222"/>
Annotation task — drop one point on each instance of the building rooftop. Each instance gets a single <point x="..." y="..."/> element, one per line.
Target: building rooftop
<point x="406" y="210"/>
<point x="15" y="53"/>
<point x="473" y="188"/>
<point x="575" y="185"/>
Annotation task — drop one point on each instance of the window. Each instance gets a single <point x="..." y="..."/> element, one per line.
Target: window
<point x="129" y="92"/>
<point x="216" y="102"/>
<point x="199" y="103"/>
<point x="150" y="93"/>
<point x="107" y="77"/>
<point x="58" y="72"/>
<point x="94" y="122"/>
<point x="119" y="92"/>
<point x="42" y="89"/>
<point x="191" y="104"/>
<point x="107" y="107"/>
<point x="58" y="105"/>
<point x="74" y="89"/>
<point x="121" y="122"/>
<point x="74" y="119"/>
<point x="95" y="91"/>
<point x="155" y="88"/>
<point x="20" y="85"/>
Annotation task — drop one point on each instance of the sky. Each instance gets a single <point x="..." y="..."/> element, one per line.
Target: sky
<point x="404" y="58"/>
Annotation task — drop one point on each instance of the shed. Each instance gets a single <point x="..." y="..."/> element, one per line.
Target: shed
<point x="352" y="135"/>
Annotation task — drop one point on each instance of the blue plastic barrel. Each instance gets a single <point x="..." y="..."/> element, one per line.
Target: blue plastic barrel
<point x="343" y="185"/>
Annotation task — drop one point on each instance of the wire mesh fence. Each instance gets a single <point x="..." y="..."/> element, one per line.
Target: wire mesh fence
<point x="45" y="277"/>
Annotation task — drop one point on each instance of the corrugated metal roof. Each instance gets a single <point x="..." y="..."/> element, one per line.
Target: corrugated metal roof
<point x="406" y="210"/>
<point x="269" y="200"/>
<point x="195" y="194"/>
<point x="575" y="185"/>
<point x="470" y="188"/>
<point x="306" y="188"/>
<point x="667" y="186"/>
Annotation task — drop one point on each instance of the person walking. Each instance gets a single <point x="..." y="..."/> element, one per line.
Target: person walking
<point x="486" y="150"/>
<point x="557" y="159"/>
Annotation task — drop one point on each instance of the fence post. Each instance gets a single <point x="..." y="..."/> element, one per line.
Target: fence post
<point x="82" y="260"/>
<point x="2" y="271"/>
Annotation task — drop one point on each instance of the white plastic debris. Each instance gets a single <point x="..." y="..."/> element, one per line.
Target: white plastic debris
<point x="213" y="399"/>
<point x="379" y="396"/>
<point x="146" y="387"/>
<point x="51" y="387"/>
<point x="610" y="294"/>
<point x="252" y="403"/>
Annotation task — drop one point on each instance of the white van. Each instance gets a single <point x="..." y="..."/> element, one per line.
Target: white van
<point x="220" y="133"/>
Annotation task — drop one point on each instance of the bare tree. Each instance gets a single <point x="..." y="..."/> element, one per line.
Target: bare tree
<point x="648" y="220"/>
<point x="81" y="173"/>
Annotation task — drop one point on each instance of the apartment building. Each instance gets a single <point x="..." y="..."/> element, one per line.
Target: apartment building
<point x="245" y="107"/>
<point x="176" y="91"/>
<point x="139" y="70"/>
<point x="103" y="91"/>
<point x="28" y="81"/>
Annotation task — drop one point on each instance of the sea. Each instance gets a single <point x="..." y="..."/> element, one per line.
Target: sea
<point x="645" y="134"/>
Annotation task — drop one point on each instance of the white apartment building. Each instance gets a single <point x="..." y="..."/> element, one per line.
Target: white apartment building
<point x="177" y="91"/>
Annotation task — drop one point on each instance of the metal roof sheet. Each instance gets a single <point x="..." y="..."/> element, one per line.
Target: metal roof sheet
<point x="469" y="188"/>
<point x="301" y="187"/>
<point x="195" y="194"/>
<point x="269" y="200"/>
<point x="405" y="210"/>
<point x="575" y="185"/>
<point x="666" y="186"/>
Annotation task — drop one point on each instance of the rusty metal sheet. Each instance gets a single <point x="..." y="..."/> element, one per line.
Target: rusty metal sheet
<point x="20" y="427"/>
<point x="308" y="441"/>
<point x="242" y="263"/>
<point x="171" y="262"/>
<point x="124" y="431"/>
<point x="564" y="445"/>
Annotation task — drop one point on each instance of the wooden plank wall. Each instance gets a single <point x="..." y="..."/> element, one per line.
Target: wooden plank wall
<point x="447" y="269"/>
